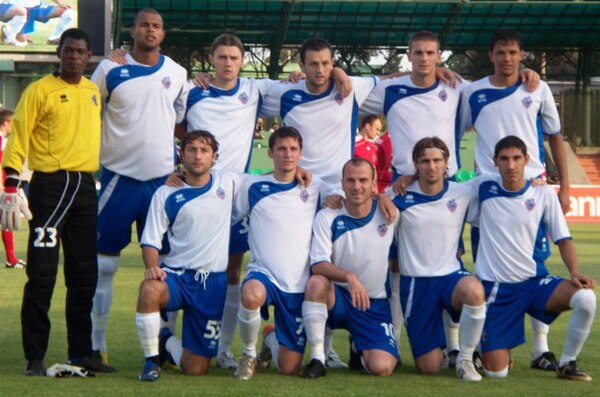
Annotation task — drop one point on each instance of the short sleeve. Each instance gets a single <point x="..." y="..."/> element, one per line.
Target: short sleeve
<point x="321" y="247"/>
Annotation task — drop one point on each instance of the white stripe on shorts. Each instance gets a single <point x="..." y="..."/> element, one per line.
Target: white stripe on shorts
<point x="411" y="291"/>
<point x="105" y="196"/>
<point x="493" y="293"/>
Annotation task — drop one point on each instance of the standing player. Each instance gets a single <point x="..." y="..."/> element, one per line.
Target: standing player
<point x="280" y="213"/>
<point x="142" y="101"/>
<point x="498" y="106"/>
<point x="433" y="278"/>
<point x="57" y="125"/>
<point x="192" y="276"/>
<point x="14" y="17"/>
<point x="349" y="266"/>
<point x="510" y="264"/>
<point x="364" y="146"/>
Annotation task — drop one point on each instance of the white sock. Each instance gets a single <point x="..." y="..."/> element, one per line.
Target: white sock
<point x="174" y="347"/>
<point x="471" y="326"/>
<point x="451" y="328"/>
<point x="314" y="315"/>
<point x="539" y="331"/>
<point x="396" y="307"/>
<point x="249" y="321"/>
<point x="148" y="327"/>
<point x="583" y="303"/>
<point x="229" y="321"/>
<point x="171" y="322"/>
<point x="14" y="26"/>
<point x="107" y="267"/>
<point x="273" y="345"/>
<point x="497" y="375"/>
<point x="63" y="23"/>
<point x="329" y="339"/>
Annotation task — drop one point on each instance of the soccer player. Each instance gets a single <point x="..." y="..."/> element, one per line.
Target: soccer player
<point x="57" y="126"/>
<point x="433" y="278"/>
<point x="142" y="101"/>
<point x="510" y="264"/>
<point x="364" y="145"/>
<point x="498" y="106"/>
<point x="14" y="17"/>
<point x="349" y="268"/>
<point x="192" y="276"/>
<point x="384" y="161"/>
<point x="280" y="213"/>
<point x="37" y="11"/>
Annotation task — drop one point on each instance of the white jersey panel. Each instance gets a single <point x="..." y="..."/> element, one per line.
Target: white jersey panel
<point x="496" y="112"/>
<point x="141" y="106"/>
<point x="197" y="220"/>
<point x="414" y="113"/>
<point x="360" y="246"/>
<point x="513" y="231"/>
<point x="430" y="229"/>
<point x="327" y="122"/>
<point x="230" y="115"/>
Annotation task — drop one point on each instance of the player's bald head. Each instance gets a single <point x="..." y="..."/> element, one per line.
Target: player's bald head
<point x="145" y="11"/>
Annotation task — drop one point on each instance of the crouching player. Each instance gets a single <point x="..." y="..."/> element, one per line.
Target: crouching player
<point x="349" y="268"/>
<point x="192" y="277"/>
<point x="515" y="219"/>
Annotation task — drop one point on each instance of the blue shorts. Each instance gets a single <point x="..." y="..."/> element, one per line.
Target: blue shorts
<point x="238" y="242"/>
<point x="202" y="298"/>
<point x="39" y="13"/>
<point x="122" y="201"/>
<point x="5" y="9"/>
<point x="423" y="299"/>
<point x="370" y="329"/>
<point x="289" y="326"/>
<point x="507" y="304"/>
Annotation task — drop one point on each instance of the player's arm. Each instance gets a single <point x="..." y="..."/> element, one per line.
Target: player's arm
<point x="156" y="225"/>
<point x="559" y="156"/>
<point x="358" y="292"/>
<point x="153" y="270"/>
<point x="342" y="81"/>
<point x="569" y="257"/>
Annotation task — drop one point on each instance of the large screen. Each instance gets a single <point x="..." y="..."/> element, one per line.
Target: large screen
<point x="46" y="19"/>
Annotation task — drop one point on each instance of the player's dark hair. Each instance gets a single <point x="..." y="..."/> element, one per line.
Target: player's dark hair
<point x="368" y="119"/>
<point x="5" y="115"/>
<point x="423" y="35"/>
<point x="505" y="36"/>
<point x="228" y="40"/>
<point x="146" y="10"/>
<point x="201" y="135"/>
<point x="285" y="132"/>
<point x="356" y="162"/>
<point x="508" y="142"/>
<point x="314" y="44"/>
<point x="75" y="34"/>
<point x="432" y="142"/>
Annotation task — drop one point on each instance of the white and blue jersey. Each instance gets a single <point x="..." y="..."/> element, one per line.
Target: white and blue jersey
<point x="197" y="220"/>
<point x="141" y="106"/>
<point x="414" y="113"/>
<point x="513" y="231"/>
<point x="496" y="112"/>
<point x="230" y="115"/>
<point x="279" y="228"/>
<point x="327" y="122"/>
<point x="430" y="228"/>
<point x="360" y="246"/>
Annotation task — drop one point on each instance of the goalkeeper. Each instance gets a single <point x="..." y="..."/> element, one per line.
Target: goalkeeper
<point x="57" y="126"/>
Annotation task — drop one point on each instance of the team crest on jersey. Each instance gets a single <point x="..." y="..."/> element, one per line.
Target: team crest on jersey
<point x="124" y="73"/>
<point x="338" y="98"/>
<point x="166" y="82"/>
<point x="382" y="229"/>
<point x="221" y="193"/>
<point x="243" y="97"/>
<point x="304" y="196"/>
<point x="443" y="95"/>
<point x="95" y="100"/>
<point x="530" y="204"/>
<point x="452" y="205"/>
<point x="481" y="98"/>
<point x="527" y="101"/>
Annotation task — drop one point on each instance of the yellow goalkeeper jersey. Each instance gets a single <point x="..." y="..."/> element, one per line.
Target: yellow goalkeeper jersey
<point x="57" y="126"/>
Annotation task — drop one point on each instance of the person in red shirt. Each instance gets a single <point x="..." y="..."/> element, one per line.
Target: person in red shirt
<point x="364" y="146"/>
<point x="384" y="161"/>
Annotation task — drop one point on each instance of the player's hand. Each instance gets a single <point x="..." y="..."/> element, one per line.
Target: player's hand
<point x="335" y="201"/>
<point x="387" y="207"/>
<point x="535" y="182"/>
<point x="175" y="179"/>
<point x="582" y="281"/>
<point x="155" y="273"/>
<point x="447" y="76"/>
<point x="342" y="81"/>
<point x="118" y="56"/>
<point x="565" y="199"/>
<point x="399" y="187"/>
<point x="203" y="80"/>
<point x="12" y="206"/>
<point x="358" y="292"/>
<point x="530" y="78"/>
<point x="295" y="77"/>
<point x="304" y="177"/>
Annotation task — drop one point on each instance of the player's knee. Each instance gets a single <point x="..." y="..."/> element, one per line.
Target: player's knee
<point x="253" y="295"/>
<point x="289" y="368"/>
<point x="471" y="291"/>
<point x="193" y="370"/>
<point x="107" y="266"/>
<point x="317" y="287"/>
<point x="584" y="300"/>
<point x="428" y="367"/>
<point x="150" y="290"/>
<point x="68" y="15"/>
<point x="380" y="367"/>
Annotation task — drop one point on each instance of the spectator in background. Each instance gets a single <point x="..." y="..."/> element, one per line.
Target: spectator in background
<point x="259" y="129"/>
